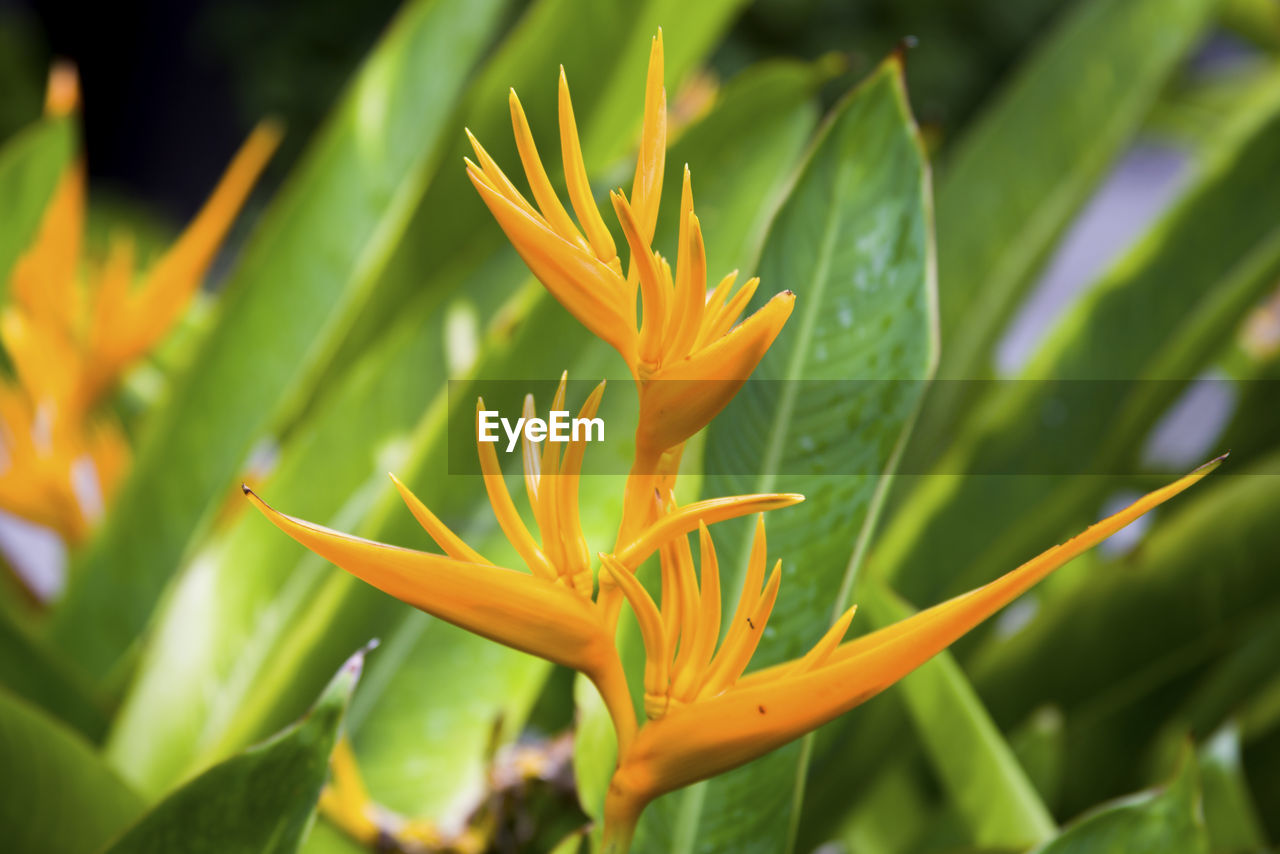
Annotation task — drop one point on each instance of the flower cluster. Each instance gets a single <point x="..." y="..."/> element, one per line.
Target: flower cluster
<point x="704" y="714"/>
<point x="71" y="330"/>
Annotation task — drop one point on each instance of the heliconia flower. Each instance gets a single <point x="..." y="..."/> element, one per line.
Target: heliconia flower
<point x="547" y="612"/>
<point x="707" y="719"/>
<point x="687" y="356"/>
<point x="70" y="343"/>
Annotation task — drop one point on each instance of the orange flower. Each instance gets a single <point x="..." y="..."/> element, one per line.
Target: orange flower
<point x="707" y="719"/>
<point x="687" y="356"/>
<point x="547" y="612"/>
<point x="71" y="341"/>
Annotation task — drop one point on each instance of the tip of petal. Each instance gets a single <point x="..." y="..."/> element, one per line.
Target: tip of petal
<point x="1212" y="464"/>
<point x="63" y="94"/>
<point x="245" y="488"/>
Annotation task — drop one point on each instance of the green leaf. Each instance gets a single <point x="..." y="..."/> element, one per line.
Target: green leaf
<point x="854" y="241"/>
<point x="891" y="817"/>
<point x="60" y="797"/>
<point x="1229" y="810"/>
<point x="1040" y="745"/>
<point x="976" y="766"/>
<point x="1167" y="820"/>
<point x="31" y="163"/>
<point x="303" y="277"/>
<point x="259" y="802"/>
<point x="38" y="674"/>
<point x="1109" y="369"/>
<point x="1021" y="172"/>
<point x="200" y="693"/>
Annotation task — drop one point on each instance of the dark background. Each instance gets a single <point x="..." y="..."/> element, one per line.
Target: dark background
<point x="172" y="86"/>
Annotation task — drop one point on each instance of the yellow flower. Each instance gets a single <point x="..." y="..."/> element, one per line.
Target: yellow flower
<point x="707" y="719"/>
<point x="547" y="612"/>
<point x="686" y="355"/>
<point x="70" y="340"/>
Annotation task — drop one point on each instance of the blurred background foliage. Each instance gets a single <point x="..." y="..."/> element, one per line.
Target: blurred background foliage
<point x="1104" y="177"/>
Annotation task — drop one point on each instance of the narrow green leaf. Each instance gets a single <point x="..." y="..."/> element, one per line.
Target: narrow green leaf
<point x="259" y="802"/>
<point x="1167" y="820"/>
<point x="1040" y="745"/>
<point x="33" y="671"/>
<point x="31" y="163"/>
<point x="306" y="273"/>
<point x="977" y="768"/>
<point x="1021" y="172"/>
<point x="59" y="796"/>
<point x="1229" y="811"/>
<point x="854" y="241"/>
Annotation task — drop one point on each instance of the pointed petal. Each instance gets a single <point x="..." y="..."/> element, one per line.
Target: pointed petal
<point x="587" y="288"/>
<point x="548" y="505"/>
<point x="683" y="397"/>
<point x="691" y="294"/>
<point x="44" y="278"/>
<point x="690" y="678"/>
<point x="512" y="608"/>
<point x="826" y="645"/>
<point x="684" y="519"/>
<point x="690" y="602"/>
<point x="724" y="319"/>
<point x="62" y="94"/>
<point x="505" y="510"/>
<point x="740" y="624"/>
<point x="446" y="539"/>
<point x="646" y="190"/>
<point x="543" y="193"/>
<point x="654" y="295"/>
<point x="177" y="275"/>
<point x="575" y="171"/>
<point x="734" y="657"/>
<point x="575" y="543"/>
<point x="651" y="632"/>
<point x="491" y="174"/>
<point x="532" y="461"/>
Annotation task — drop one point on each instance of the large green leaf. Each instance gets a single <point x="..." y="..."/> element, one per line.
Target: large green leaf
<point x="1076" y="419"/>
<point x="1018" y="176"/>
<point x="979" y="771"/>
<point x="59" y="796"/>
<point x="259" y="802"/>
<point x="31" y="163"/>
<point x="854" y="241"/>
<point x="304" y="276"/>
<point x="1167" y="820"/>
